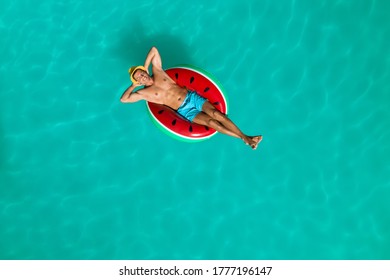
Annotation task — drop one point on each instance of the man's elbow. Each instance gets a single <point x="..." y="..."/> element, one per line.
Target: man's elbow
<point x="124" y="100"/>
<point x="128" y="100"/>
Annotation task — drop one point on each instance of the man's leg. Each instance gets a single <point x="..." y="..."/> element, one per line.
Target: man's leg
<point x="214" y="113"/>
<point x="204" y="119"/>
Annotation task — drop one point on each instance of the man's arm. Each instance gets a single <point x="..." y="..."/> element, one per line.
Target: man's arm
<point x="129" y="96"/>
<point x="154" y="58"/>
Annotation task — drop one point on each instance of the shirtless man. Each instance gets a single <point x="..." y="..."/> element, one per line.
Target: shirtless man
<point x="161" y="89"/>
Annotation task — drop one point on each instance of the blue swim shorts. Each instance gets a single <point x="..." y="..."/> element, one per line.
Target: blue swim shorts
<point x="191" y="106"/>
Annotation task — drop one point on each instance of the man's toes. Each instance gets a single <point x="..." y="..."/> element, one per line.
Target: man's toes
<point x="257" y="139"/>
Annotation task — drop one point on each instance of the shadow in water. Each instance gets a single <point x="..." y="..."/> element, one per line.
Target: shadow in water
<point x="134" y="44"/>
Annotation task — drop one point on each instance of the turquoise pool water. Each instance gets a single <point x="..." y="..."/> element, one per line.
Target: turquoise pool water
<point x="85" y="177"/>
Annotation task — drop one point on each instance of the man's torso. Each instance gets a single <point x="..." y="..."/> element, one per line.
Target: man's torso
<point x="164" y="91"/>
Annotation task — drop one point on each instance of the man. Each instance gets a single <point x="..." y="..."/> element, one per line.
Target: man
<point x="161" y="89"/>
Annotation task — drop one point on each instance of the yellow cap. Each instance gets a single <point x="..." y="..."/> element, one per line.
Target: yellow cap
<point x="132" y="71"/>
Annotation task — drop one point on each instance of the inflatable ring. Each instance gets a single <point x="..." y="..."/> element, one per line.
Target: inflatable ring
<point x="175" y="125"/>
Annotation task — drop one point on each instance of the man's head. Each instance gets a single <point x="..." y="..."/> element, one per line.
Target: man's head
<point x="138" y="75"/>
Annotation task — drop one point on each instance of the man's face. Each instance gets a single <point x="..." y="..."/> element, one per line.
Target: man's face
<point x="142" y="77"/>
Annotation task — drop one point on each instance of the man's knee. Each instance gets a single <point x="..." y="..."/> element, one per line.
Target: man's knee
<point x="218" y="115"/>
<point x="214" y="124"/>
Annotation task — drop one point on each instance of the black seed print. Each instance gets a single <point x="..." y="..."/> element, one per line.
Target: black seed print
<point x="216" y="103"/>
<point x="190" y="128"/>
<point x="177" y="75"/>
<point x="192" y="79"/>
<point x="160" y="112"/>
<point x="206" y="89"/>
<point x="174" y="122"/>
<point x="207" y="128"/>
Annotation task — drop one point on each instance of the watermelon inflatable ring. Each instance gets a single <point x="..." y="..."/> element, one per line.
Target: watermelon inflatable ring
<point x="175" y="125"/>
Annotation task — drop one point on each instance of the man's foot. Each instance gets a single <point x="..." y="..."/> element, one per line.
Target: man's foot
<point x="253" y="141"/>
<point x="257" y="140"/>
